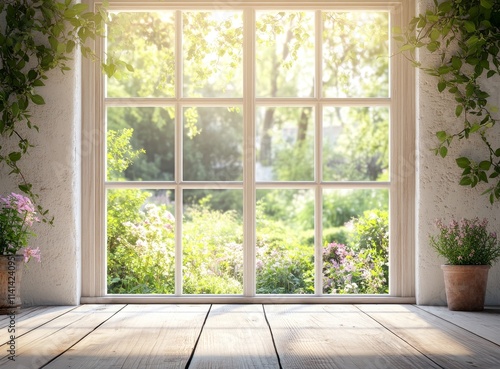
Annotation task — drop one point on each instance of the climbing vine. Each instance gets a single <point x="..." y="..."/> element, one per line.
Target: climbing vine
<point x="465" y="35"/>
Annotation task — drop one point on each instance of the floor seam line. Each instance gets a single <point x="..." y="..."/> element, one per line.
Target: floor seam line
<point x="399" y="337"/>
<point x="82" y="338"/>
<point x="188" y="363"/>
<point x="272" y="337"/>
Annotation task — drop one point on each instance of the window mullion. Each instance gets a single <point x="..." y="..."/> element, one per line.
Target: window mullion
<point x="318" y="162"/>
<point x="178" y="153"/>
<point x="249" y="275"/>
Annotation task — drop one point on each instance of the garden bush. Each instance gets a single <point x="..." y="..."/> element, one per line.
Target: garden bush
<point x="361" y="266"/>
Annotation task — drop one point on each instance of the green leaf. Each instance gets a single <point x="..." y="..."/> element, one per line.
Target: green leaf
<point x="26" y="187"/>
<point x="475" y="127"/>
<point x="433" y="46"/>
<point x="487" y="4"/>
<point x="14" y="156"/>
<point x="441" y="135"/>
<point x="497" y="153"/>
<point x="441" y="86"/>
<point x="70" y="46"/>
<point x="472" y="41"/>
<point x="435" y="34"/>
<point x="475" y="181"/>
<point x="465" y="181"/>
<point x="463" y="162"/>
<point x="458" y="110"/>
<point x="485" y="165"/>
<point x="456" y="62"/>
<point x="443" y="151"/>
<point x="38" y="83"/>
<point x="80" y="8"/>
<point x="15" y="109"/>
<point x="445" y="7"/>
<point x="37" y="99"/>
<point x="482" y="177"/>
<point x="407" y="47"/>
<point x="444" y="70"/>
<point x="469" y="26"/>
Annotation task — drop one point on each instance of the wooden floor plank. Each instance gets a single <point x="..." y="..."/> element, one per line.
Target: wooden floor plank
<point x="4" y="319"/>
<point x="139" y="336"/>
<point x="445" y="343"/>
<point x="337" y="337"/>
<point x="235" y="336"/>
<point x="483" y="323"/>
<point x="37" y="347"/>
<point x="31" y="318"/>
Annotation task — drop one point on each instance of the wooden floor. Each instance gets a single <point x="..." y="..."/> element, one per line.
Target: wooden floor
<point x="251" y="336"/>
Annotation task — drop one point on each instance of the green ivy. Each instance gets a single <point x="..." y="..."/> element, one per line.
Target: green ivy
<point x="38" y="36"/>
<point x="465" y="35"/>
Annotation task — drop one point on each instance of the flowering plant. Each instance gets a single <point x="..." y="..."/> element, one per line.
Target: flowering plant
<point x="466" y="242"/>
<point x="17" y="216"/>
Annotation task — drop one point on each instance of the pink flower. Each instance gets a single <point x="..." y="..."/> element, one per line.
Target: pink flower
<point x="29" y="253"/>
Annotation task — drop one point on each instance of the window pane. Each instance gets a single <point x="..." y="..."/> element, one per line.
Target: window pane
<point x="356" y="241"/>
<point x="145" y="40"/>
<point x="356" y="54"/>
<point x="140" y="144"/>
<point x="212" y="242"/>
<point x="284" y="54"/>
<point x="213" y="144"/>
<point x="212" y="54"/>
<point x="355" y="144"/>
<point x="285" y="241"/>
<point x="140" y="241"/>
<point x="284" y="144"/>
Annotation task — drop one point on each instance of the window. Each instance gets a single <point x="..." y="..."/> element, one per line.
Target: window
<point x="254" y="152"/>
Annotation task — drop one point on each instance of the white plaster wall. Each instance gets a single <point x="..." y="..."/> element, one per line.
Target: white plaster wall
<point x="53" y="167"/>
<point x="438" y="192"/>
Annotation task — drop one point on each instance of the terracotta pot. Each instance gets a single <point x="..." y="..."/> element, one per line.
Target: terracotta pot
<point x="465" y="286"/>
<point x="10" y="284"/>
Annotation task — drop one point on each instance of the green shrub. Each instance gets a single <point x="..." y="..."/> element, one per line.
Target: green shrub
<point x="143" y="258"/>
<point x="212" y="252"/>
<point x="361" y="266"/>
<point x="285" y="265"/>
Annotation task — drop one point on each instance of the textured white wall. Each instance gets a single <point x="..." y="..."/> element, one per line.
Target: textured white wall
<point x="438" y="192"/>
<point x="53" y="167"/>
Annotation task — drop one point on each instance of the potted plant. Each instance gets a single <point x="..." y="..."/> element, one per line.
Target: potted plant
<point x="470" y="250"/>
<point x="17" y="216"/>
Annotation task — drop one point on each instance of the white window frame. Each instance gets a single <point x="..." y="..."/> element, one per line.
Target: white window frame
<point x="402" y="166"/>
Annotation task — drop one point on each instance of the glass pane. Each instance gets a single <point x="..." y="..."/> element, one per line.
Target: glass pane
<point x="145" y="40"/>
<point x="355" y="144"/>
<point x="212" y="242"/>
<point x="356" y="54"/>
<point x="284" y="144"/>
<point x="285" y="241"/>
<point x="356" y="241"/>
<point x="140" y="241"/>
<point x="284" y="54"/>
<point x="213" y="144"/>
<point x="212" y="54"/>
<point x="140" y="144"/>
